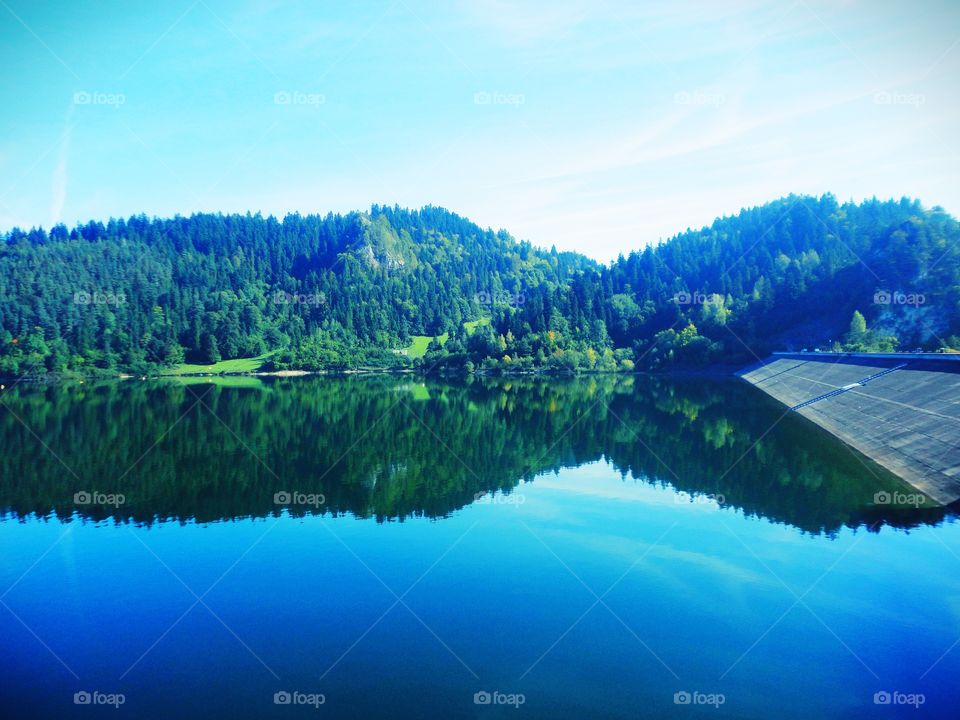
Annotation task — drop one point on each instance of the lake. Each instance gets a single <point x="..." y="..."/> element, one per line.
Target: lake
<point x="381" y="546"/>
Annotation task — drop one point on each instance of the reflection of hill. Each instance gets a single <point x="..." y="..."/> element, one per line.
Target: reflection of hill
<point x="375" y="448"/>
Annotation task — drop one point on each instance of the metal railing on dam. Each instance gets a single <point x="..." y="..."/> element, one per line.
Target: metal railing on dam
<point x="901" y="410"/>
<point x="899" y="356"/>
<point x="850" y="386"/>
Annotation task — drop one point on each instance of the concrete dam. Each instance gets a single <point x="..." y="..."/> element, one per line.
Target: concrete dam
<point x="901" y="410"/>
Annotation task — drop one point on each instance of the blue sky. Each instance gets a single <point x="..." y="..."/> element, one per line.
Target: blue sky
<point x="596" y="125"/>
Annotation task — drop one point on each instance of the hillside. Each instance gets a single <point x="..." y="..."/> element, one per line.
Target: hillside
<point x="340" y="291"/>
<point x="790" y="274"/>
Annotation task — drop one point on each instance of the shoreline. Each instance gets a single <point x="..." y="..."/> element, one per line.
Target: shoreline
<point x="726" y="371"/>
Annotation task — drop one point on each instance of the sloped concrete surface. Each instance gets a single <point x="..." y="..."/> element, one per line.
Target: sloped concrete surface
<point x="907" y="420"/>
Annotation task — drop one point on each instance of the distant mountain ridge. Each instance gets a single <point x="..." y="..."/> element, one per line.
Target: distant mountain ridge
<point x="340" y="291"/>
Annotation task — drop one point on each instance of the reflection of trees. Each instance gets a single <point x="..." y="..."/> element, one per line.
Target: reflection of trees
<point x="391" y="448"/>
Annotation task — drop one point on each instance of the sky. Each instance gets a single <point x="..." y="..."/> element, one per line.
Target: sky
<point x="598" y="126"/>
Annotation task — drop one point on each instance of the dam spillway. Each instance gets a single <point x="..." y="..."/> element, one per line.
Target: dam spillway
<point x="902" y="410"/>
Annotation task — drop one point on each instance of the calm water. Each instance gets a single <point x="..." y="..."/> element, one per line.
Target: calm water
<point x="603" y="548"/>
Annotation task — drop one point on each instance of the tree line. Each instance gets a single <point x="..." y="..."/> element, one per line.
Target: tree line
<point x="346" y="291"/>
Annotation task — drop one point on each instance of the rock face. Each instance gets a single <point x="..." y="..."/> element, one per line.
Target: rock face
<point x="902" y="411"/>
<point x="379" y="245"/>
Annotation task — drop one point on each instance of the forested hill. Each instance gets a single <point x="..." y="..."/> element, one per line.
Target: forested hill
<point x="134" y="293"/>
<point x="794" y="273"/>
<point x="341" y="291"/>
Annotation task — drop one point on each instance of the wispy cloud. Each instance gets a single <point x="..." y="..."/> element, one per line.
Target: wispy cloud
<point x="58" y="184"/>
<point x="525" y="23"/>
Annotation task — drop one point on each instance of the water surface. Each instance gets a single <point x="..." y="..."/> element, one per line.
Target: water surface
<point x="599" y="547"/>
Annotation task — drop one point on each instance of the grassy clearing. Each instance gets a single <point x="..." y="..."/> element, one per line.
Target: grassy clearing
<point x="418" y="348"/>
<point x="240" y="365"/>
<point x="474" y="324"/>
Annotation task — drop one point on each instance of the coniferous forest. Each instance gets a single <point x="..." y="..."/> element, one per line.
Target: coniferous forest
<point x="336" y="292"/>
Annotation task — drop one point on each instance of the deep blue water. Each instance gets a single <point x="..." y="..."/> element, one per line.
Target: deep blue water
<point x="593" y="588"/>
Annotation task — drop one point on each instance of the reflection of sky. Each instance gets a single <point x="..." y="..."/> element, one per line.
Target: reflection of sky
<point x="499" y="584"/>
